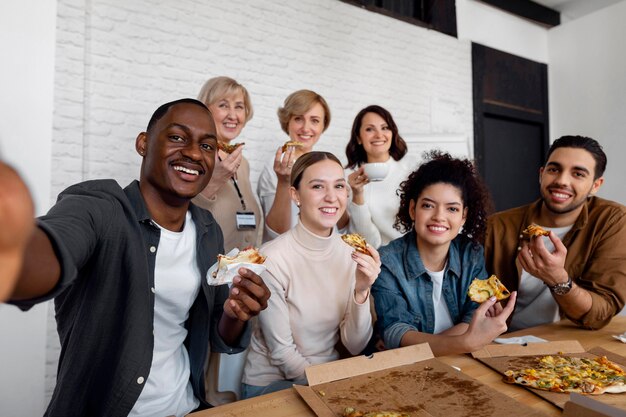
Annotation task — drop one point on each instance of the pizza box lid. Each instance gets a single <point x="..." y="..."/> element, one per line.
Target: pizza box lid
<point x="408" y="380"/>
<point x="503" y="357"/>
<point x="547" y="348"/>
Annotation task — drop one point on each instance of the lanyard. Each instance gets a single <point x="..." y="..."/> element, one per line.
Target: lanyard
<point x="243" y="203"/>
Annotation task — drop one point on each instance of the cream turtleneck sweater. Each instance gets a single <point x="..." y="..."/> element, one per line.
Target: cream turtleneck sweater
<point x="312" y="283"/>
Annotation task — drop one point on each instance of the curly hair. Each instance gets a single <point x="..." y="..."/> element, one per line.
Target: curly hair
<point x="356" y="153"/>
<point x="461" y="173"/>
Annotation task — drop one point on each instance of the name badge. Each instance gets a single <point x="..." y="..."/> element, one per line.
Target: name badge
<point x="246" y="220"/>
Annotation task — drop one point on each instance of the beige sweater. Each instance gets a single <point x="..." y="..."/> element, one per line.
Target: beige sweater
<point x="224" y="206"/>
<point x="312" y="304"/>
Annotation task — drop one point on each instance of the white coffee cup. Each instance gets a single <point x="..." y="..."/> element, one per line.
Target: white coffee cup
<point x="376" y="171"/>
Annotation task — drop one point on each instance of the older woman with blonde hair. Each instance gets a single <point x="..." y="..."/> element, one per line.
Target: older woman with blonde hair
<point x="304" y="117"/>
<point x="229" y="195"/>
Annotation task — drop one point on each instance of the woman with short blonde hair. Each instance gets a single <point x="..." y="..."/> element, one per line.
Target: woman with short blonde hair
<point x="304" y="116"/>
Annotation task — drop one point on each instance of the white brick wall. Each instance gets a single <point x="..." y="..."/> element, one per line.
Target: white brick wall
<point x="118" y="60"/>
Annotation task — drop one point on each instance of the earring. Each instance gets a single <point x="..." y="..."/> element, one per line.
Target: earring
<point x="298" y="204"/>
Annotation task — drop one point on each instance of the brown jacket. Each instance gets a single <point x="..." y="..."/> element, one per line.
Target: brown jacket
<point x="596" y="253"/>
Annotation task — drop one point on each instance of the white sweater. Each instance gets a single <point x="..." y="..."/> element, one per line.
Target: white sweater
<point x="374" y="219"/>
<point x="312" y="304"/>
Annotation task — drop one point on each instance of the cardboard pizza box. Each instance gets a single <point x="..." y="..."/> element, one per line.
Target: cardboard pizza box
<point x="504" y="357"/>
<point x="586" y="406"/>
<point x="408" y="380"/>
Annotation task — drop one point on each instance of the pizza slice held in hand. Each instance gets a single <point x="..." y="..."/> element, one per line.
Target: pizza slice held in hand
<point x="481" y="290"/>
<point x="291" y="143"/>
<point x="357" y="242"/>
<point x="535" y="230"/>
<point x="225" y="147"/>
<point x="248" y="255"/>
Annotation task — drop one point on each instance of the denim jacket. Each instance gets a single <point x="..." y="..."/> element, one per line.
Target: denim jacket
<point x="403" y="292"/>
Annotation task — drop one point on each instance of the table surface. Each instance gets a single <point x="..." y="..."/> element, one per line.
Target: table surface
<point x="287" y="403"/>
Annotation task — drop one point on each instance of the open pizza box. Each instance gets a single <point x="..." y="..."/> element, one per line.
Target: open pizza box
<point x="504" y="357"/>
<point x="408" y="380"/>
<point x="586" y="406"/>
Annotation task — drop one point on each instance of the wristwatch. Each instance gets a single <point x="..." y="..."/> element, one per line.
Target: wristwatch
<point x="561" y="288"/>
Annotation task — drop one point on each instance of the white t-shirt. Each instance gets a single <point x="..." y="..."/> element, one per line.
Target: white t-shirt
<point x="443" y="320"/>
<point x="535" y="304"/>
<point x="168" y="390"/>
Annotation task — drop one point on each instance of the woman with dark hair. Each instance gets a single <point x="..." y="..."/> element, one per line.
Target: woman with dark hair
<point x="421" y="292"/>
<point x="375" y="139"/>
<point x="320" y="286"/>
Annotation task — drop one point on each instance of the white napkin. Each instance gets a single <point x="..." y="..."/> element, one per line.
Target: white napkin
<point x="226" y="275"/>
<point x="620" y="337"/>
<point x="521" y="340"/>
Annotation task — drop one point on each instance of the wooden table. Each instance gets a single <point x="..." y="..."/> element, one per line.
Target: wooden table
<point x="287" y="403"/>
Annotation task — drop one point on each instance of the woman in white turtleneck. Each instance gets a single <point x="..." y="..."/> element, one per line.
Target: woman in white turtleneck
<point x="320" y="286"/>
<point x="375" y="138"/>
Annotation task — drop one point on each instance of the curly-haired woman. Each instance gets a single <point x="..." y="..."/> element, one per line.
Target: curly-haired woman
<point x="421" y="292"/>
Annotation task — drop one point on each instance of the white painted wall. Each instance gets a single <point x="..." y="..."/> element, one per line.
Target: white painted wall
<point x="27" y="42"/>
<point x="587" y="81"/>
<point x="489" y="26"/>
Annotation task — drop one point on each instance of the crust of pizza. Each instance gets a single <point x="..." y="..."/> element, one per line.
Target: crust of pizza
<point x="225" y="147"/>
<point x="535" y="230"/>
<point x="351" y="412"/>
<point x="357" y="242"/>
<point x="248" y="255"/>
<point x="290" y="143"/>
<point x="480" y="290"/>
<point x="570" y="374"/>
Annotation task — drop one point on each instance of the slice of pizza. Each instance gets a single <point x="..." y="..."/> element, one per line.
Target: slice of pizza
<point x="290" y="143"/>
<point x="535" y="230"/>
<point x="357" y="242"/>
<point x="248" y="255"/>
<point x="480" y="290"/>
<point x="227" y="147"/>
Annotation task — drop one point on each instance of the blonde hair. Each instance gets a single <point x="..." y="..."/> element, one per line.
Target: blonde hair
<point x="298" y="103"/>
<point x="218" y="88"/>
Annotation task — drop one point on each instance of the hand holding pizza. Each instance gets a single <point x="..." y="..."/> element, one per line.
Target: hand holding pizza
<point x="367" y="270"/>
<point x="488" y="323"/>
<point x="226" y="168"/>
<point x="16" y="227"/>
<point x="548" y="266"/>
<point x="248" y="296"/>
<point x="283" y="162"/>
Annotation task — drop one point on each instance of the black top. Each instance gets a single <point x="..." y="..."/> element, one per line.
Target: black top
<point x="106" y="243"/>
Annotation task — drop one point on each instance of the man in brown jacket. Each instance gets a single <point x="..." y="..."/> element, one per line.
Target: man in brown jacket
<point x="579" y="270"/>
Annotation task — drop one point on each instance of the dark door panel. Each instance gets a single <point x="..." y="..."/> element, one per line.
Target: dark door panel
<point x="514" y="153"/>
<point x="510" y="124"/>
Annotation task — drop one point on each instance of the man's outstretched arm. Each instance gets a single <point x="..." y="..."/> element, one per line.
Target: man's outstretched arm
<point x="28" y="265"/>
